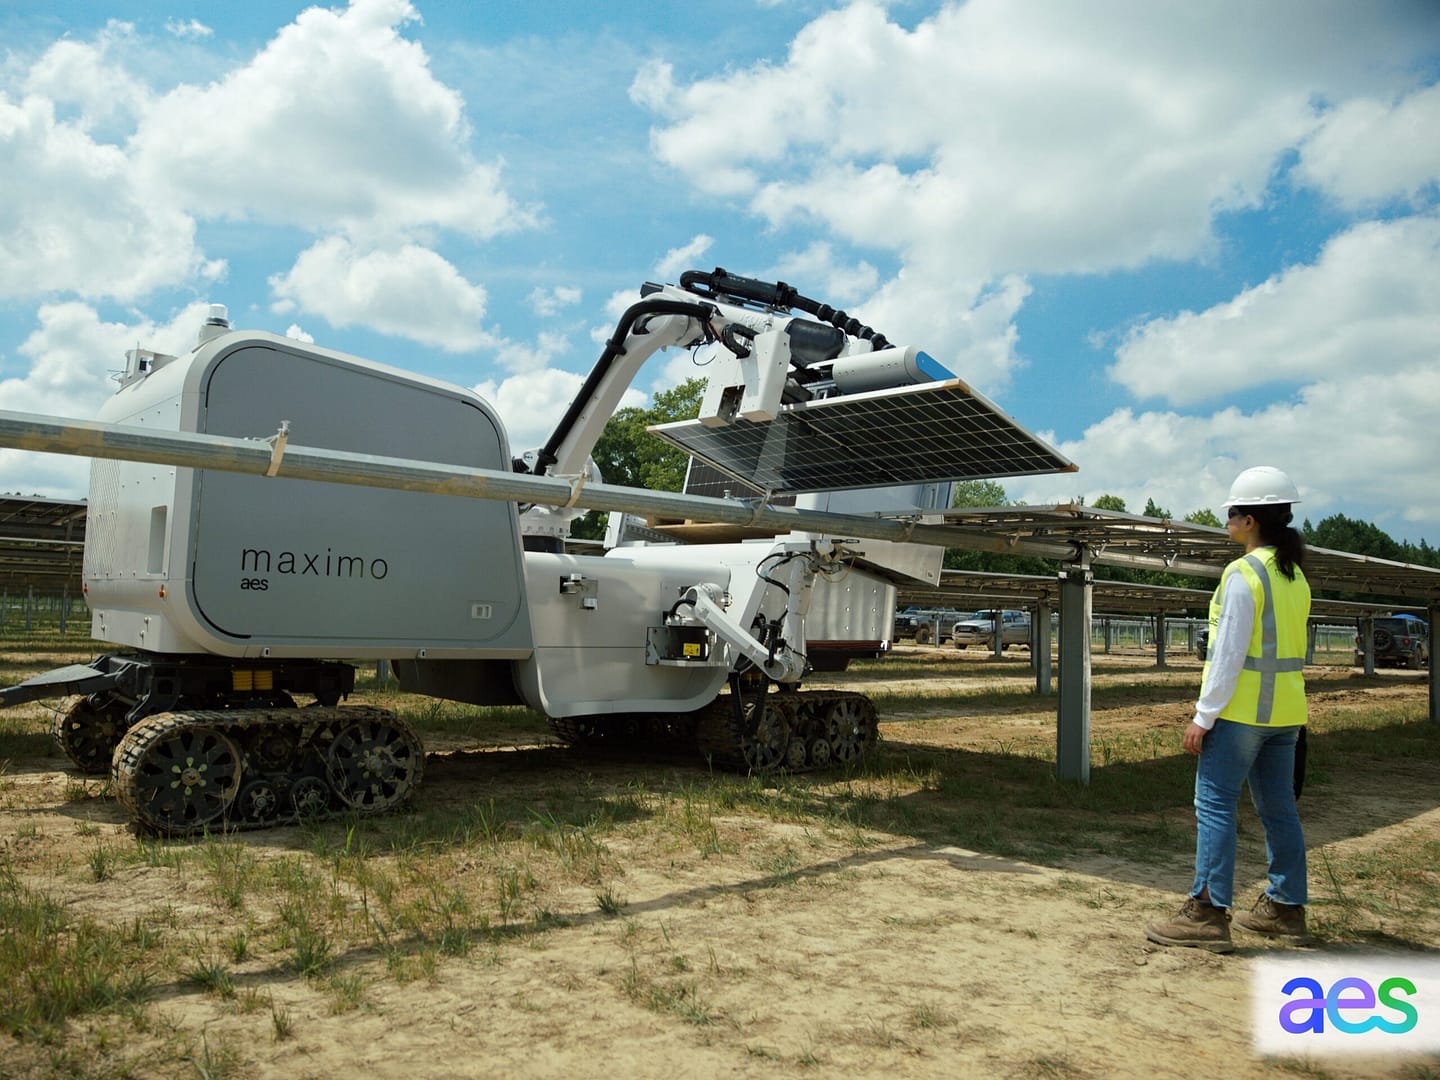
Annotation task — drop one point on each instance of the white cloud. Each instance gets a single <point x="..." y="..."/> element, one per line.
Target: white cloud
<point x="549" y="302"/>
<point x="65" y="199"/>
<point x="531" y="404"/>
<point x="1367" y="305"/>
<point x="88" y="80"/>
<point x="522" y="357"/>
<point x="677" y="260"/>
<point x="971" y="333"/>
<point x="819" y="273"/>
<point x="1357" y="445"/>
<point x="993" y="140"/>
<point x="1355" y="333"/>
<point x="73" y="354"/>
<point x="189" y="28"/>
<point x="407" y="291"/>
<point x="337" y="123"/>
<point x="1369" y="151"/>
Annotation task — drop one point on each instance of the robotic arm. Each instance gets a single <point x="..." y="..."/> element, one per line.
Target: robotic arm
<point x="768" y="357"/>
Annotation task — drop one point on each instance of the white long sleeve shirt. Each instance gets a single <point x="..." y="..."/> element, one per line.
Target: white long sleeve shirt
<point x="1226" y="650"/>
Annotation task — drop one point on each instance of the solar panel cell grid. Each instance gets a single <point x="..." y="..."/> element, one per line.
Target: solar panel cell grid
<point x="915" y="434"/>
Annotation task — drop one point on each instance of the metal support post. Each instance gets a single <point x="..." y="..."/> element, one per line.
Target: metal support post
<point x="1160" y="639"/>
<point x="1040" y="646"/>
<point x="997" y="627"/>
<point x="1311" y="633"/>
<point x="1072" y="735"/>
<point x="1434" y="687"/>
<point x="1367" y="642"/>
<point x="1107" y="629"/>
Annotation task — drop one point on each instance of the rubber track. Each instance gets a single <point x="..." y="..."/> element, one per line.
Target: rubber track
<point x="86" y="736"/>
<point x="844" y="720"/>
<point x="809" y="715"/>
<point x="313" y="730"/>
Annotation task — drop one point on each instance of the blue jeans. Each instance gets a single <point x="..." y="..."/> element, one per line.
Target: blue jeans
<point x="1231" y="754"/>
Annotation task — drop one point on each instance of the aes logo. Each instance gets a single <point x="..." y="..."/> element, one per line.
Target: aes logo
<point x="1346" y="1005"/>
<point x="1351" y="1006"/>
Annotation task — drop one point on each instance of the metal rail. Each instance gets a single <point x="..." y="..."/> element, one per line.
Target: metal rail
<point x="90" y="438"/>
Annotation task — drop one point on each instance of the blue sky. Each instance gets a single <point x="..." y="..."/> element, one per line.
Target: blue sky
<point x="1176" y="239"/>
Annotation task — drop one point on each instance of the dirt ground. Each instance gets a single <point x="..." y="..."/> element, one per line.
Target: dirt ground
<point x="791" y="948"/>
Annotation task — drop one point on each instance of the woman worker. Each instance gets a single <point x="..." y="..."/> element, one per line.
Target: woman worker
<point x="1250" y="711"/>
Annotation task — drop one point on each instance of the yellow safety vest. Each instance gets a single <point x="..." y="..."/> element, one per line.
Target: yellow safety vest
<point x="1271" y="689"/>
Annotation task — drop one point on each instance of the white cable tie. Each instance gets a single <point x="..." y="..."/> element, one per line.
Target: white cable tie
<point x="577" y="485"/>
<point x="759" y="508"/>
<point x="277" y="447"/>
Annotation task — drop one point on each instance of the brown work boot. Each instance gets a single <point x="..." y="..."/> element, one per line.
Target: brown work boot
<point x="1274" y="919"/>
<point x="1199" y="926"/>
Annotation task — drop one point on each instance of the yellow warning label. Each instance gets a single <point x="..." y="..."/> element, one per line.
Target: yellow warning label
<point x="692" y="648"/>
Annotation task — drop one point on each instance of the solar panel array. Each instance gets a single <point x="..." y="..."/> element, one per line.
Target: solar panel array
<point x="909" y="435"/>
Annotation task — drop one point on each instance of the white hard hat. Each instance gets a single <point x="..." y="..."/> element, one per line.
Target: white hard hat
<point x="1262" y="485"/>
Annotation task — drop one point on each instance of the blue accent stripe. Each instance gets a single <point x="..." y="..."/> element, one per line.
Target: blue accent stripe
<point x="931" y="368"/>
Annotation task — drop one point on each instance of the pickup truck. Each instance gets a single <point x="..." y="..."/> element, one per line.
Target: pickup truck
<point x="979" y="628"/>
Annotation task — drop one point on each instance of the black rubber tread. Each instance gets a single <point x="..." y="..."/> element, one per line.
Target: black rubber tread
<point x="846" y="722"/>
<point x="266" y="791"/>
<point x="626" y="733"/>
<point x="87" y="735"/>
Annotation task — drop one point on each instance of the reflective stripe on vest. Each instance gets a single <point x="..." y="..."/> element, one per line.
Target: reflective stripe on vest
<point x="1268" y="663"/>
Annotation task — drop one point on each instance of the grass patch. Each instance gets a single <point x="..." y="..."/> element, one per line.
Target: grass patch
<point x="457" y="879"/>
<point x="53" y="967"/>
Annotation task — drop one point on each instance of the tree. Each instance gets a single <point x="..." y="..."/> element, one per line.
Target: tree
<point x="1153" y="511"/>
<point x="630" y="456"/>
<point x="1340" y="533"/>
<point x="1204" y="516"/>
<point x="986" y="493"/>
<point x="1110" y="502"/>
<point x="979" y="493"/>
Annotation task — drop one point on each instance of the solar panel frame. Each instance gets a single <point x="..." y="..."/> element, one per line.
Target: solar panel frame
<point x="931" y="432"/>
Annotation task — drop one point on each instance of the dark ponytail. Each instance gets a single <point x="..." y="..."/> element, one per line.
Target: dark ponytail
<point x="1275" y="531"/>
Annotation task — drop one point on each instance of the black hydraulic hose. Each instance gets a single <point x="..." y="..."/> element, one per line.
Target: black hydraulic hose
<point x="776" y="294"/>
<point x="613" y="348"/>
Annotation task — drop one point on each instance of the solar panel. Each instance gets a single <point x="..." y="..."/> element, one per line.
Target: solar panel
<point x="907" y="435"/>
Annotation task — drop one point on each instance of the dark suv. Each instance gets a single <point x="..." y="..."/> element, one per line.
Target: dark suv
<point x="1400" y="641"/>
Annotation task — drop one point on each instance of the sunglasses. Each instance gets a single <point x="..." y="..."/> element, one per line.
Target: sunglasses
<point x="1235" y="512"/>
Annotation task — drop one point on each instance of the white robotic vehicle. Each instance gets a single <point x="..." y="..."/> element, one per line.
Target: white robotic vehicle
<point x="238" y="604"/>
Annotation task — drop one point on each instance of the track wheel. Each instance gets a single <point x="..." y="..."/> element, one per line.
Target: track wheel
<point x="177" y="776"/>
<point x="88" y="736"/>
<point x="309" y="798"/>
<point x="850" y="724"/>
<point x="258" y="803"/>
<point x="821" y="752"/>
<point x="375" y="763"/>
<point x="765" y="742"/>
